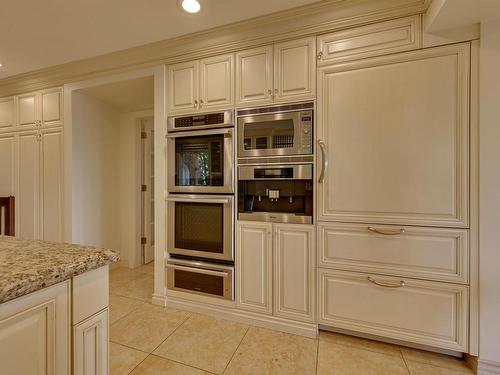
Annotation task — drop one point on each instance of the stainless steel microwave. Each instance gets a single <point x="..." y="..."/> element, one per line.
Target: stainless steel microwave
<point x="279" y="130"/>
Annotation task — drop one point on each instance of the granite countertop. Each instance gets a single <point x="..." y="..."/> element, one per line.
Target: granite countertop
<point x="30" y="265"/>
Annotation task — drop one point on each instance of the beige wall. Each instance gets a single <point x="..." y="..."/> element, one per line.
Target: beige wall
<point x="489" y="345"/>
<point x="95" y="173"/>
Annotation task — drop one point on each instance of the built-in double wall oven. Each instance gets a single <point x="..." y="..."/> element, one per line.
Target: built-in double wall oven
<point x="200" y="204"/>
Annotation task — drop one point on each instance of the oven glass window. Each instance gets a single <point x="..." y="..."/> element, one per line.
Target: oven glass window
<point x="268" y="135"/>
<point x="199" y="226"/>
<point x="199" y="282"/>
<point x="199" y="161"/>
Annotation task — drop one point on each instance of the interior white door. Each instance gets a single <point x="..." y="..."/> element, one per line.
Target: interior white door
<point x="254" y="76"/>
<point x="183" y="87"/>
<point x="295" y="70"/>
<point x="395" y="134"/>
<point x="147" y="201"/>
<point x="51" y="185"/>
<point x="254" y="266"/>
<point x="217" y="82"/>
<point x="27" y="200"/>
<point x="294" y="260"/>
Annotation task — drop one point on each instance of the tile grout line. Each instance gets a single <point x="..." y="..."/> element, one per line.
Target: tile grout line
<point x="404" y="361"/>
<point x="230" y="359"/>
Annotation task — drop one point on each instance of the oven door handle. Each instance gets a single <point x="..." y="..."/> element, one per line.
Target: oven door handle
<point x="199" y="200"/>
<point x="184" y="134"/>
<point x="198" y="270"/>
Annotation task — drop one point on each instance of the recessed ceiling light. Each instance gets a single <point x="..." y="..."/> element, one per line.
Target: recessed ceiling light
<point x="191" y="6"/>
<point x="1" y="65"/>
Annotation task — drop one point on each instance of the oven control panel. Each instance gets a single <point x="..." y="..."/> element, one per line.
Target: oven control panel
<point x="306" y="126"/>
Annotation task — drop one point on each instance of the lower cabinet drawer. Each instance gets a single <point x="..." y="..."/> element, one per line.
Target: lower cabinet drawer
<point x="422" y="312"/>
<point x="417" y="252"/>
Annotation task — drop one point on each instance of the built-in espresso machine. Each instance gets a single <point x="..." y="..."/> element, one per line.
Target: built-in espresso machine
<point x="276" y="193"/>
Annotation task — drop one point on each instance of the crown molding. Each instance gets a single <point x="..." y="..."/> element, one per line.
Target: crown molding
<point x="312" y="19"/>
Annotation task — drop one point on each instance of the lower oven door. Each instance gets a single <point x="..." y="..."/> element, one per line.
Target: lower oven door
<point x="200" y="226"/>
<point x="200" y="278"/>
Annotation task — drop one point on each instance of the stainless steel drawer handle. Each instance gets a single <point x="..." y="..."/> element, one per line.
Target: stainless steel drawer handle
<point x="387" y="232"/>
<point x="198" y="270"/>
<point x="386" y="285"/>
<point x="324" y="161"/>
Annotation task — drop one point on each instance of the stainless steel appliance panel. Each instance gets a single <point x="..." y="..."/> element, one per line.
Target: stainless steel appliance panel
<point x="202" y="121"/>
<point x="201" y="278"/>
<point x="201" y="226"/>
<point x="201" y="161"/>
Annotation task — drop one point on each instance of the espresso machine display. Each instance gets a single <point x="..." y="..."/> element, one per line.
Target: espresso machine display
<point x="282" y="194"/>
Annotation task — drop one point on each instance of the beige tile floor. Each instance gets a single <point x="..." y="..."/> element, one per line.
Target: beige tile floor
<point x="152" y="340"/>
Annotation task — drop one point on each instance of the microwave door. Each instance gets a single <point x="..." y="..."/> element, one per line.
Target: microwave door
<point x="269" y="135"/>
<point x="200" y="162"/>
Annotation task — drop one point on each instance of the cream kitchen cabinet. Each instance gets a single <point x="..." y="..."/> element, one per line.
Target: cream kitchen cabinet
<point x="35" y="335"/>
<point x="279" y="73"/>
<point x="254" y="259"/>
<point x="422" y="312"/>
<point x="40" y="184"/>
<point x="7" y="114"/>
<point x="275" y="264"/>
<point x="394" y="138"/>
<point x="7" y="164"/>
<point x="40" y="109"/>
<point x="201" y="85"/>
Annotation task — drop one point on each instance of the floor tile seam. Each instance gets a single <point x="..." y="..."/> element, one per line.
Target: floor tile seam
<point x="368" y="350"/>
<point x="134" y="298"/>
<point x="404" y="361"/>
<point x="182" y="363"/>
<point x="171" y="333"/>
<point x="124" y="316"/>
<point x="128" y="346"/>
<point x="459" y="371"/>
<point x="236" y="350"/>
<point x="131" y="371"/>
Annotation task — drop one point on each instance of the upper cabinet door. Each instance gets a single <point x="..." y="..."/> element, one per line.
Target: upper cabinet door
<point x="27" y="109"/>
<point x="7" y="165"/>
<point x="254" y="76"/>
<point x="295" y="70"/>
<point x="395" y="130"/>
<point x="51" y="107"/>
<point x="183" y="87"/>
<point x="382" y="38"/>
<point x="7" y="114"/>
<point x="217" y="82"/>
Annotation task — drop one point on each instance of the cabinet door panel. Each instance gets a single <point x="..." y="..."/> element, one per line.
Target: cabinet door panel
<point x="91" y="345"/>
<point x="51" y="107"/>
<point x="7" y="164"/>
<point x="396" y="135"/>
<point x="34" y="333"/>
<point x="51" y="162"/>
<point x="295" y="70"/>
<point x="254" y="260"/>
<point x="216" y="82"/>
<point x="7" y="114"/>
<point x="27" y="218"/>
<point x="293" y="271"/>
<point x="183" y="87"/>
<point x="27" y="109"/>
<point x="254" y="76"/>
<point x="422" y="312"/>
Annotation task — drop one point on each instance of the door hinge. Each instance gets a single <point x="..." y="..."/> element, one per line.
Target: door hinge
<point x="144" y="187"/>
<point x="319" y="56"/>
<point x="144" y="240"/>
<point x="144" y="135"/>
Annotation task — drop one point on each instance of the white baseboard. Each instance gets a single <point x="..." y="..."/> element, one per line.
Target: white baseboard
<point x="485" y="367"/>
<point x="270" y="322"/>
<point x="159" y="300"/>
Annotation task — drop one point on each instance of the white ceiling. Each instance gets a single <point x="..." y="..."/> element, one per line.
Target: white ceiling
<point x="39" y="33"/>
<point x="128" y="96"/>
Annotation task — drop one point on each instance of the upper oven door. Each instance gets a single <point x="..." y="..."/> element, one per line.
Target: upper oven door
<point x="200" y="226"/>
<point x="275" y="134"/>
<point x="201" y="161"/>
